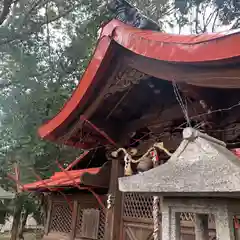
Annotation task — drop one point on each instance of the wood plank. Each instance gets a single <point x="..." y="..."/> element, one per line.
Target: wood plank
<point x="170" y="114"/>
<point x="74" y="220"/>
<point x="114" y="212"/>
<point x="100" y="179"/>
<point x="90" y="223"/>
<point x="138" y="220"/>
<point x="86" y="200"/>
<point x="49" y="216"/>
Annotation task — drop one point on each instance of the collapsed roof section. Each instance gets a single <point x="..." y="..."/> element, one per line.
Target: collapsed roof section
<point x="60" y="180"/>
<point x="90" y="177"/>
<point x="208" y="60"/>
<point x="91" y="169"/>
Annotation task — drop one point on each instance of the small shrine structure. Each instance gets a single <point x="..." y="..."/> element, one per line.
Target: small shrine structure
<point x="201" y="177"/>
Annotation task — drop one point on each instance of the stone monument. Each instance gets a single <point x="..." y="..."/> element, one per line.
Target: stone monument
<point x="201" y="177"/>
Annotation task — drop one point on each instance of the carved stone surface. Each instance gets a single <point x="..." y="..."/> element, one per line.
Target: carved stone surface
<point x="201" y="165"/>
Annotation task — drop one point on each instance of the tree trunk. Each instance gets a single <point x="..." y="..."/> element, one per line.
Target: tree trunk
<point x="16" y="218"/>
<point x="23" y="224"/>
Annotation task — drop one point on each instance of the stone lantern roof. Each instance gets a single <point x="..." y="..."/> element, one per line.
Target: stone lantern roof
<point x="201" y="166"/>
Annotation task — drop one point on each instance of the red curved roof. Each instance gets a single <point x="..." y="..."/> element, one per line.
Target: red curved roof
<point x="174" y="48"/>
<point x="152" y="45"/>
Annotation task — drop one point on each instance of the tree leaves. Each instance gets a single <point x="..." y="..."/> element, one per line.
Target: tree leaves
<point x="37" y="75"/>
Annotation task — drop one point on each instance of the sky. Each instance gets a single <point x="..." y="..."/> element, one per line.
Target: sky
<point x="189" y="29"/>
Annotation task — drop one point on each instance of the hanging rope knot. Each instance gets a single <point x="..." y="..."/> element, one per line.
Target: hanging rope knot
<point x="160" y="146"/>
<point x="128" y="168"/>
<point x="110" y="201"/>
<point x="152" y="153"/>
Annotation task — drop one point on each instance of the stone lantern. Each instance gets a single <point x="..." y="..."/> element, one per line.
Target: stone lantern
<point x="201" y="177"/>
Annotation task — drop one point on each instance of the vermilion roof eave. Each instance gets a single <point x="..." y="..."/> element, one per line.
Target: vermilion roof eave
<point x="60" y="179"/>
<point x="45" y="130"/>
<point x="155" y="45"/>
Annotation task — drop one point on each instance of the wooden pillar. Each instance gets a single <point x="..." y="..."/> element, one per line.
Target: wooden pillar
<point x="49" y="216"/>
<point x="201" y="227"/>
<point x="74" y="220"/>
<point x="114" y="208"/>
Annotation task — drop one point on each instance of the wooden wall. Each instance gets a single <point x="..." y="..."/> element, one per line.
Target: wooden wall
<point x="80" y="218"/>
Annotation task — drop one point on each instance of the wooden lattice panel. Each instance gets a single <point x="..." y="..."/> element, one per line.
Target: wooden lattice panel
<point x="61" y="218"/>
<point x="79" y="222"/>
<point x="101" y="227"/>
<point x="137" y="206"/>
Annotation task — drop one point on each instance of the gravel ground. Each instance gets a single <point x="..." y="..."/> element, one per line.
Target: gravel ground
<point x="27" y="236"/>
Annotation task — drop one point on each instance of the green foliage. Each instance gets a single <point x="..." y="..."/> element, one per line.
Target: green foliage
<point x="45" y="47"/>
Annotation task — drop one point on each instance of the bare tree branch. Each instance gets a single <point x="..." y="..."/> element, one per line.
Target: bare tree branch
<point x="236" y="24"/>
<point x="6" y="10"/>
<point x="214" y="21"/>
<point x="36" y="27"/>
<point x="196" y="20"/>
<point x="11" y="15"/>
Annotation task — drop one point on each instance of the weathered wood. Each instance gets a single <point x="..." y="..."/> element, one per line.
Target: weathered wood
<point x="74" y="220"/>
<point x="172" y="113"/>
<point x="90" y="223"/>
<point x="185" y="73"/>
<point x="49" y="215"/>
<point x="114" y="211"/>
<point x="101" y="179"/>
<point x="86" y="200"/>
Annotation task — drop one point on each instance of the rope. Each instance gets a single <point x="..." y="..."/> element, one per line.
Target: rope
<point x="128" y="158"/>
<point x="181" y="103"/>
<point x="156" y="202"/>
